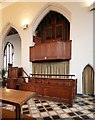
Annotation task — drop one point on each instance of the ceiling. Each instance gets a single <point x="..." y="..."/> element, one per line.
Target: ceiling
<point x="12" y="31"/>
<point x="88" y="1"/>
<point x="5" y="3"/>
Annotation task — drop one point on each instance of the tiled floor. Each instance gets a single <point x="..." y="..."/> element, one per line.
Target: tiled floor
<point x="41" y="109"/>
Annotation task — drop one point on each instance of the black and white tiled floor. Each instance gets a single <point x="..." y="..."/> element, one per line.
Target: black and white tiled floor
<point x="41" y="109"/>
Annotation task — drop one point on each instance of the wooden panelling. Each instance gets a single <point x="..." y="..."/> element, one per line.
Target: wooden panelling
<point x="65" y="89"/>
<point x="56" y="50"/>
<point x="15" y="72"/>
<point x="11" y="83"/>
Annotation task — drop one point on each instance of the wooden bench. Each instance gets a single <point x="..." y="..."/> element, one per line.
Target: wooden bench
<point x="10" y="115"/>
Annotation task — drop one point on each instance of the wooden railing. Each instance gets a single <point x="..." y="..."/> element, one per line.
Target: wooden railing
<point x="25" y="72"/>
<point x="52" y="75"/>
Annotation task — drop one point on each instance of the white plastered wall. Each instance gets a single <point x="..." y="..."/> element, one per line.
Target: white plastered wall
<point x="81" y="32"/>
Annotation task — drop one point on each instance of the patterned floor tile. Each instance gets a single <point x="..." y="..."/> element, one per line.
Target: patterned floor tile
<point x="36" y="115"/>
<point x="77" y="118"/>
<point x="52" y="113"/>
<point x="44" y="114"/>
<point x="79" y="112"/>
<point x="85" y="117"/>
<point x="59" y="111"/>
<point x="43" y="109"/>
<point x="67" y="110"/>
<point x="55" y="117"/>
<point x="72" y="114"/>
<point x="64" y="115"/>
<point x="85" y="111"/>
<point x="73" y="109"/>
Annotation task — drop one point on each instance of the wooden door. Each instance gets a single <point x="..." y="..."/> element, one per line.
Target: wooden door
<point x="88" y="80"/>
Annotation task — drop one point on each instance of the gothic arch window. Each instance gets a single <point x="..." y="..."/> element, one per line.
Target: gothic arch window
<point x="8" y="55"/>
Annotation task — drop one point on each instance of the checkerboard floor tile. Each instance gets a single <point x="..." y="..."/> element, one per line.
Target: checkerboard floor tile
<point x="43" y="109"/>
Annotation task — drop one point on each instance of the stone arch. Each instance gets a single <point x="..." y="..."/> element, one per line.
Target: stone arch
<point x="44" y="11"/>
<point x="88" y="80"/>
<point x="5" y="31"/>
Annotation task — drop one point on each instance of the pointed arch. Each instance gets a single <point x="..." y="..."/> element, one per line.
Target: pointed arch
<point x="88" y="80"/>
<point x="88" y="65"/>
<point x="6" y="29"/>
<point x="11" y="38"/>
<point x="46" y="9"/>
